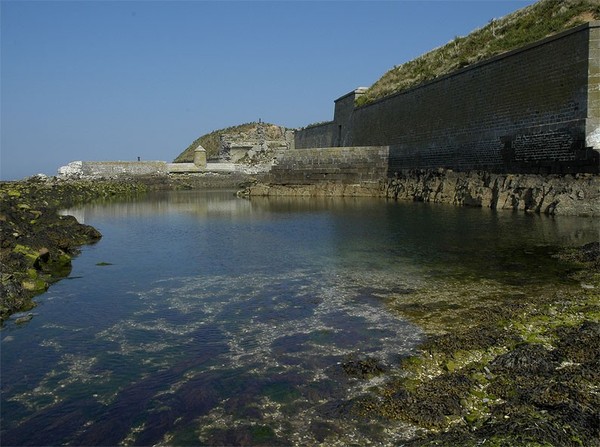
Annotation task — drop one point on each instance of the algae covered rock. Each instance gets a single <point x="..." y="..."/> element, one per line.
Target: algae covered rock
<point x="363" y="368"/>
<point x="37" y="244"/>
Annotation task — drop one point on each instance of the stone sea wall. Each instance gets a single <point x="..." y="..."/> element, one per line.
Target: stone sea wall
<point x="532" y="110"/>
<point x="573" y="195"/>
<point x="118" y="170"/>
<point x="330" y="164"/>
<point x="113" y="169"/>
<point x="317" y="135"/>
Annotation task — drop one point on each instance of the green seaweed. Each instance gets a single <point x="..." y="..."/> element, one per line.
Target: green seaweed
<point x="508" y="372"/>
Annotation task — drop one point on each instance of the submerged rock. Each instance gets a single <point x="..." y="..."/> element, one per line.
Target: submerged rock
<point x="522" y="372"/>
<point x="526" y="359"/>
<point x="364" y="368"/>
<point x="24" y="319"/>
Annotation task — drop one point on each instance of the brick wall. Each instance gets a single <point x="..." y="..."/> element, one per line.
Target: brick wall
<point x="535" y="109"/>
<point x="321" y="135"/>
<point x="348" y="165"/>
<point x="593" y="122"/>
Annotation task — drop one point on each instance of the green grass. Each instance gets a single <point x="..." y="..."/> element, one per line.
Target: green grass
<point x="542" y="19"/>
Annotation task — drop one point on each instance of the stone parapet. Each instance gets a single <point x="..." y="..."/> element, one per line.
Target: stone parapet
<point x="174" y="168"/>
<point x="113" y="169"/>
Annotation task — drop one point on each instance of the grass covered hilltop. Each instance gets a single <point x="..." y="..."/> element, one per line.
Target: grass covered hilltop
<point x="515" y="30"/>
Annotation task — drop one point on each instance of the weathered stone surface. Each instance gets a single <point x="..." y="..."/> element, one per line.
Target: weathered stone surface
<point x="577" y="195"/>
<point x="553" y="195"/>
<point x="348" y="165"/>
<point x="200" y="157"/>
<point x="315" y="190"/>
<point x="363" y="368"/>
<point x="112" y="169"/>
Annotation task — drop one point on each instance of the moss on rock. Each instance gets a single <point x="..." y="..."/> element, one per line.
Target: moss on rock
<point x="520" y="372"/>
<point x="37" y="244"/>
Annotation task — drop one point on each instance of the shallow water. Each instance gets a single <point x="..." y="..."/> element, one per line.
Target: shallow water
<point x="203" y="319"/>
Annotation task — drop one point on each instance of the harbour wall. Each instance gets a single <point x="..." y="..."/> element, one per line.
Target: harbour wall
<point x="345" y="165"/>
<point x="113" y="169"/>
<point x="127" y="169"/>
<point x="532" y="110"/>
<point x="365" y="172"/>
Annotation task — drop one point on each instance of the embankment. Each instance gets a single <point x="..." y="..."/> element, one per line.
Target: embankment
<point x="574" y="195"/>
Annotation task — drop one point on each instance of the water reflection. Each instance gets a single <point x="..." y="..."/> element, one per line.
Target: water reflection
<point x="426" y="221"/>
<point x="225" y="321"/>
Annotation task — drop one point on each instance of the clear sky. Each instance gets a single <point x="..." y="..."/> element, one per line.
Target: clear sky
<point x="117" y="80"/>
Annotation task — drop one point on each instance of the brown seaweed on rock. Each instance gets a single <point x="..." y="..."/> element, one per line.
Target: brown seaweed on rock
<point x="520" y="372"/>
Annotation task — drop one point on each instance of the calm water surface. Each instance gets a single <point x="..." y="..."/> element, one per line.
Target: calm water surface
<point x="203" y="319"/>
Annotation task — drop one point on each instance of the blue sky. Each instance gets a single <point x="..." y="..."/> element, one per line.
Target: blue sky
<point x="117" y="80"/>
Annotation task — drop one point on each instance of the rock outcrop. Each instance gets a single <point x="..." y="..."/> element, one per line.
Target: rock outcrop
<point x="552" y="195"/>
<point x="574" y="195"/>
<point x="37" y="243"/>
<point x="246" y="142"/>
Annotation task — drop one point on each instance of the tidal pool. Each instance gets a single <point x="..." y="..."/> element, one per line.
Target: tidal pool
<point x="204" y="319"/>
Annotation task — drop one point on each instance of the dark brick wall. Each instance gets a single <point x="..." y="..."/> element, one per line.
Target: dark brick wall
<point x="347" y="165"/>
<point x="344" y="116"/>
<point x="529" y="110"/>
<point x="321" y="135"/>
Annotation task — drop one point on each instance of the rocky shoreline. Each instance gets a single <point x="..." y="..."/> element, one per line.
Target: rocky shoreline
<point x="38" y="244"/>
<point x="515" y="372"/>
<point x="508" y="372"/>
<point x="572" y="195"/>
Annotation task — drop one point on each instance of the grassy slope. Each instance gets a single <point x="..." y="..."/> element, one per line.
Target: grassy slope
<point x="527" y="25"/>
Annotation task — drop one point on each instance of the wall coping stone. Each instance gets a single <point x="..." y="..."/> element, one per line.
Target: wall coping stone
<point x="312" y="126"/>
<point x="356" y="91"/>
